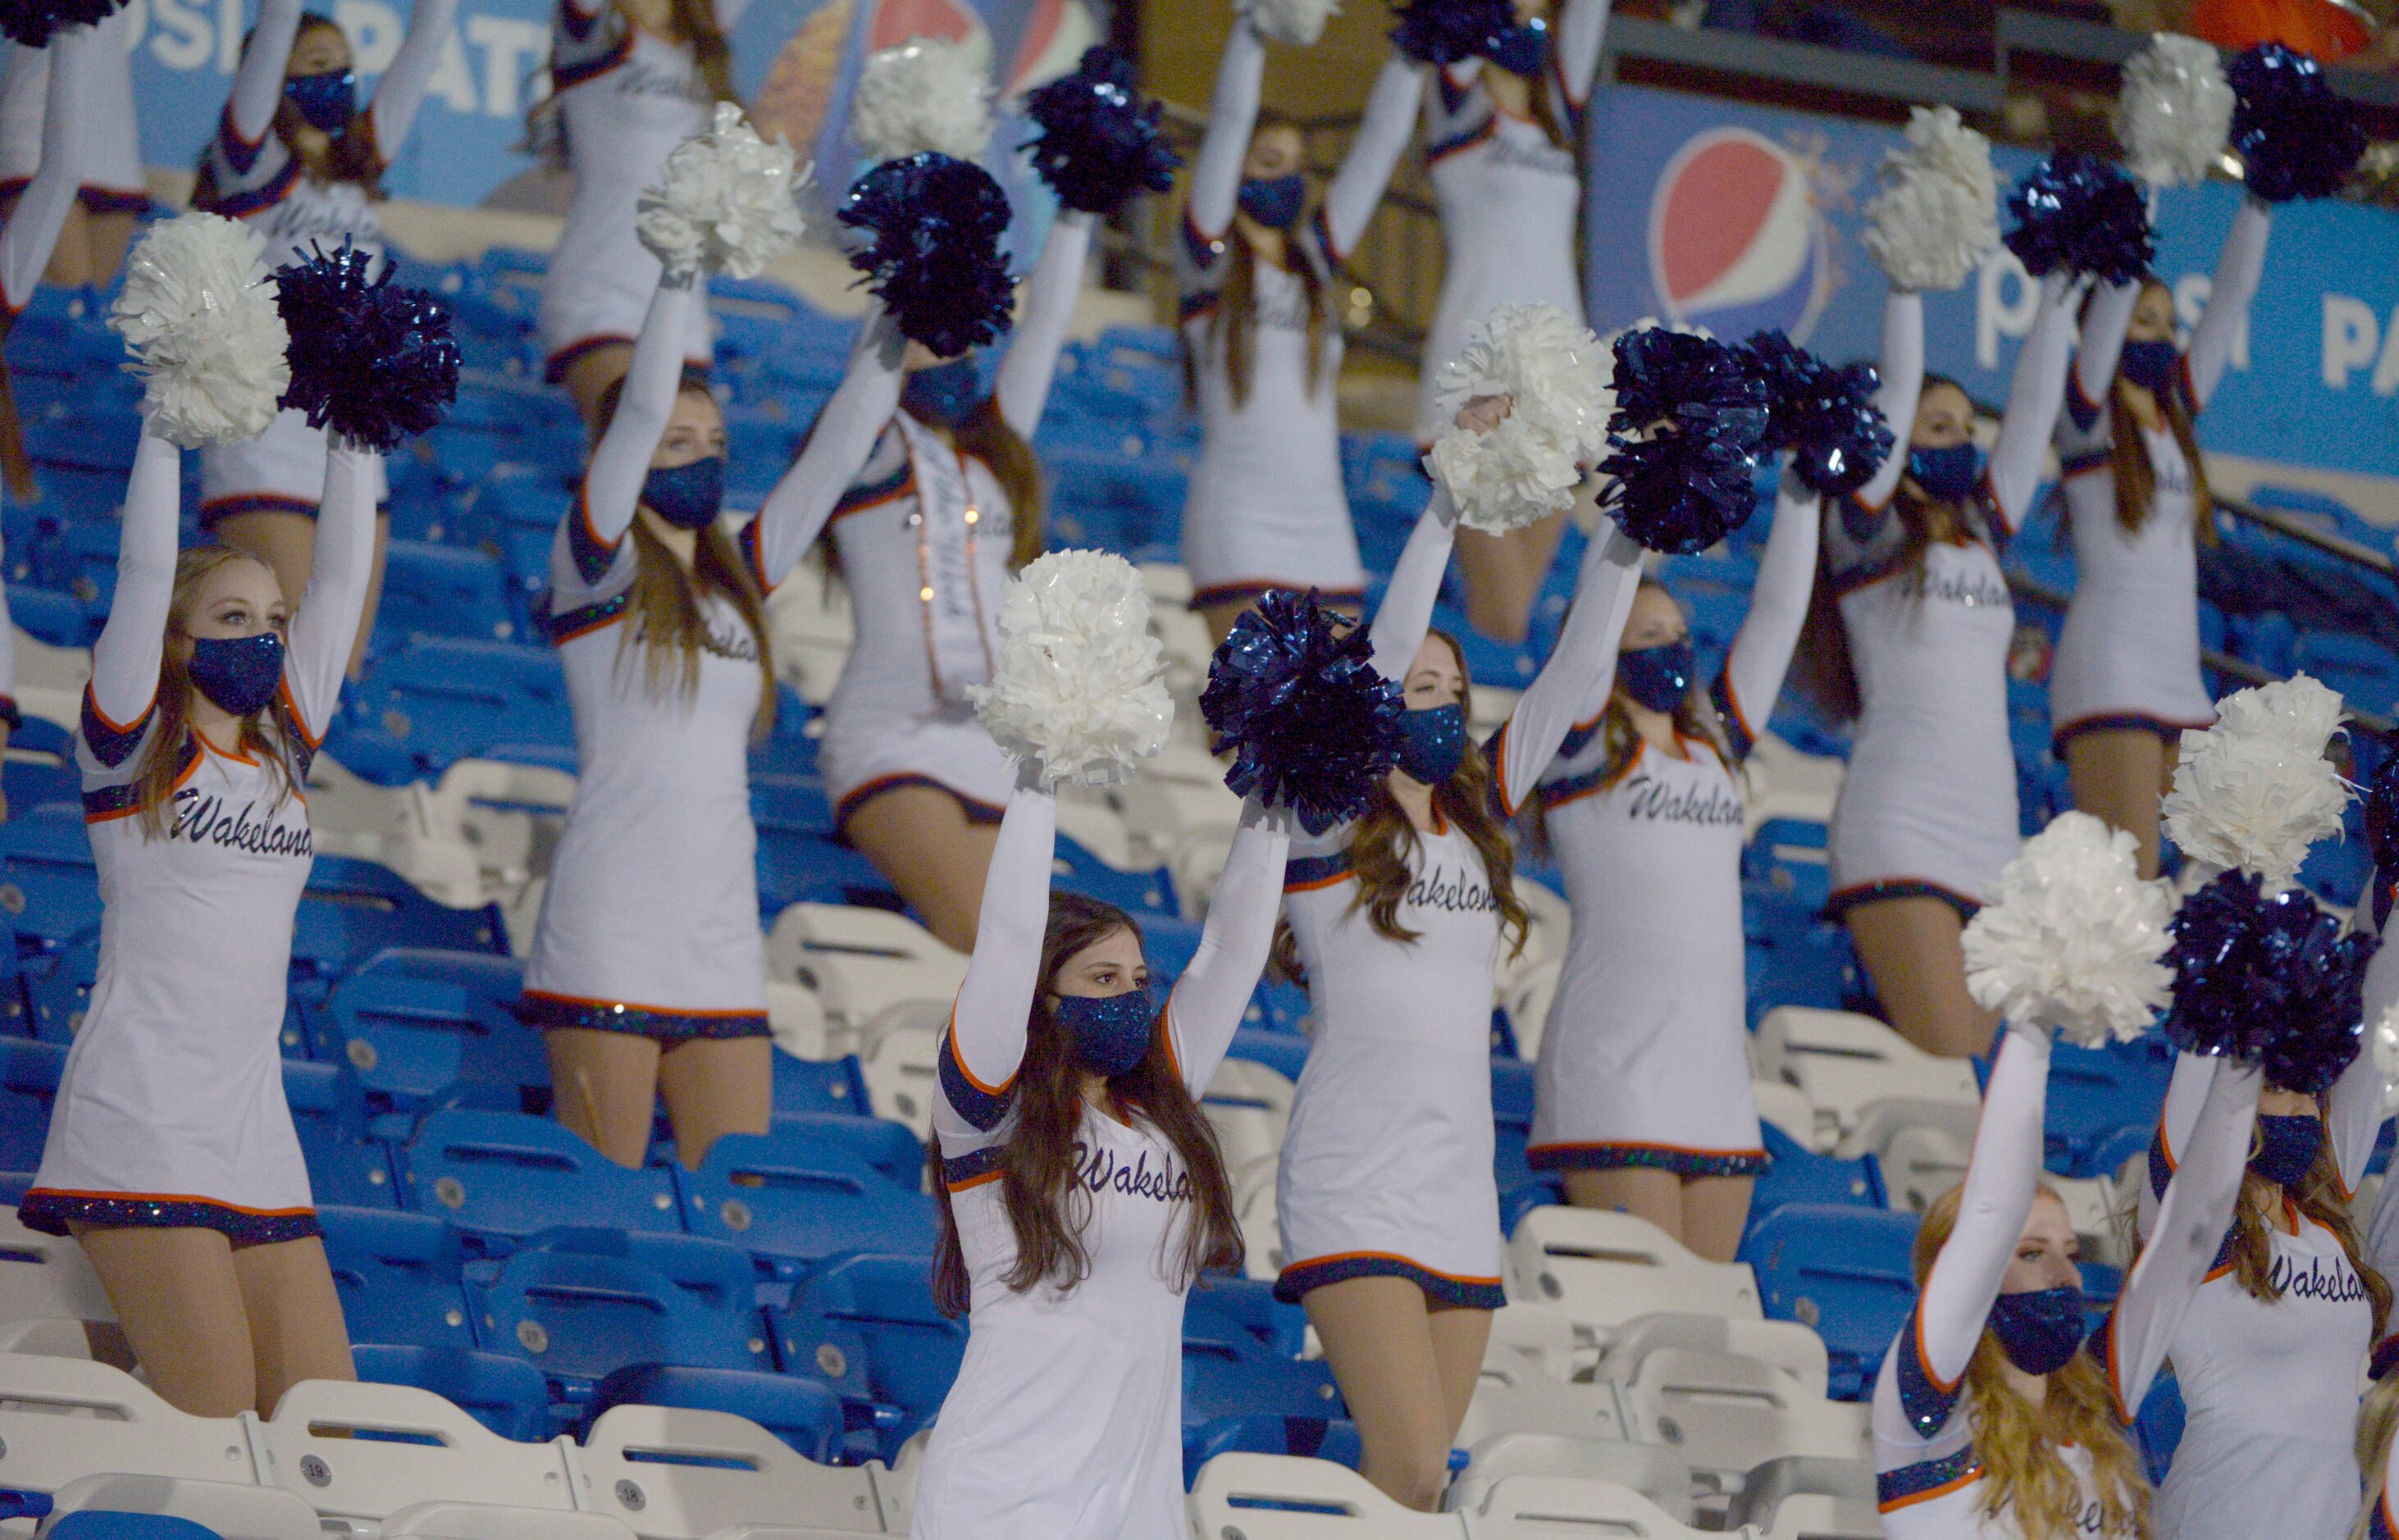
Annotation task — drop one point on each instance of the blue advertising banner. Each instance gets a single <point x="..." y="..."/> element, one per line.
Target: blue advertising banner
<point x="1736" y="218"/>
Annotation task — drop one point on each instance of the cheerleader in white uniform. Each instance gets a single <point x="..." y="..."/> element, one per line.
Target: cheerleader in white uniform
<point x="297" y="157"/>
<point x="171" y="1156"/>
<point x="1500" y="137"/>
<point x="1643" y="1102"/>
<point x="948" y="505"/>
<point x="111" y="193"/>
<point x="1992" y="1418"/>
<point x="1389" y="1209"/>
<point x="648" y="968"/>
<point x="1267" y="508"/>
<point x="629" y="81"/>
<point x="1927" y="812"/>
<point x="2125" y="681"/>
<point x="1081" y="1192"/>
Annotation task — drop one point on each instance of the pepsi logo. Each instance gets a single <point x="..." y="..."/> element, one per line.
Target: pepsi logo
<point x="1736" y="241"/>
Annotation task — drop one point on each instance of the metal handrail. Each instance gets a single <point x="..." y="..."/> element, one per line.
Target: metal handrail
<point x="2300" y="529"/>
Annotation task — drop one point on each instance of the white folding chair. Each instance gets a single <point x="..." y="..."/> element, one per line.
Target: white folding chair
<point x="1843" y="1062"/>
<point x="1522" y="1399"/>
<point x="474" y="1521"/>
<point x="1520" y="1508"/>
<point x="1788" y="1109"/>
<point x="1725" y="1415"/>
<point x="900" y="1063"/>
<point x="1657" y="1474"/>
<point x="860" y="961"/>
<point x="1278" y="1497"/>
<point x="1784" y="783"/>
<point x="1249" y="1104"/>
<point x="1260" y="1223"/>
<point x="673" y="1474"/>
<point x="1605" y="1269"/>
<point x="47" y="1277"/>
<point x="235" y="1510"/>
<point x="1797" y="1497"/>
<point x="51" y="1337"/>
<point x="310" y="1447"/>
<point x="63" y="1418"/>
<point x="1796" y="1353"/>
<point x="1526" y="999"/>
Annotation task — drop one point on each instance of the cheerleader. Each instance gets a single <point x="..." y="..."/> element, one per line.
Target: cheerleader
<point x="171" y="1156"/>
<point x="2125" y="681"/>
<point x="1643" y="1102"/>
<point x="111" y="194"/>
<point x="1927" y="812"/>
<point x="1081" y="1192"/>
<point x="1987" y="1421"/>
<point x="1500" y="137"/>
<point x="298" y="156"/>
<point x="648" y="967"/>
<point x="948" y="505"/>
<point x="1390" y="1213"/>
<point x="1267" y="508"/>
<point x="629" y="81"/>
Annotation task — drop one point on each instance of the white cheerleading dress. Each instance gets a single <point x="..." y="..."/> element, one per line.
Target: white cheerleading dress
<point x="1065" y="1421"/>
<point x="171" y="1112"/>
<point x="1928" y="805"/>
<point x="624" y="100"/>
<point x="1928" y="1478"/>
<point x="2128" y="655"/>
<point x="1644" y="1059"/>
<point x="650" y="922"/>
<point x="107" y="130"/>
<point x="1386" y="1169"/>
<point x="924" y="536"/>
<point x="257" y="178"/>
<point x="1267" y="508"/>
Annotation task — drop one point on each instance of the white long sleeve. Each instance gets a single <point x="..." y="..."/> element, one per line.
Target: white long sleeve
<point x="1022" y="388"/>
<point x="41" y="211"/>
<point x="258" y="83"/>
<point x="1582" y="667"/>
<point x="986" y="1036"/>
<point x="1214" y="994"/>
<point x="2239" y="269"/>
<point x="1583" y="35"/>
<point x="325" y="627"/>
<point x="1761" y="651"/>
<point x="125" y="660"/>
<point x="1901" y="386"/>
<point x="620" y="462"/>
<point x="1383" y="132"/>
<point x="844" y="436"/>
<point x="1404" y="618"/>
<point x="2002" y="1177"/>
<point x="401" y="92"/>
<point x="2101" y="348"/>
<point x="2035" y="396"/>
<point x="1232" y="118"/>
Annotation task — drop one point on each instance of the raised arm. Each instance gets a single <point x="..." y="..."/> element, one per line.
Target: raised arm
<point x="325" y="628"/>
<point x="2100" y="349"/>
<point x="985" y="1047"/>
<point x="1214" y="993"/>
<point x="258" y="83"/>
<point x="401" y="92"/>
<point x="1383" y="132"/>
<point x="1031" y="363"/>
<point x="1232" y="118"/>
<point x="1582" y="667"/>
<point x="2352" y="1114"/>
<point x="41" y="211"/>
<point x="125" y="660"/>
<point x="2185" y="1094"/>
<point x="1761" y="651"/>
<point x="1902" y="383"/>
<point x="612" y="484"/>
<point x="1404" y="618"/>
<point x="844" y="436"/>
<point x="1582" y="32"/>
<point x="2238" y="271"/>
<point x="2183" y="1244"/>
<point x="2035" y="394"/>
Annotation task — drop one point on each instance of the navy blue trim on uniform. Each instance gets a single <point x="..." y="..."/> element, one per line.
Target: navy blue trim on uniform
<point x="1925" y="1404"/>
<point x="1848" y="899"/>
<point x="564" y="625"/>
<point x="975" y="810"/>
<point x="2122" y="721"/>
<point x="1301" y="873"/>
<point x="2386" y="899"/>
<point x="1653" y="1158"/>
<point x="261" y="198"/>
<point x="239" y="154"/>
<point x="2078" y="407"/>
<point x="980" y="1108"/>
<point x="573" y="23"/>
<point x="109" y="744"/>
<point x="52" y="1213"/>
<point x="1895" y="1487"/>
<point x="1737" y="734"/>
<point x="1453" y="95"/>
<point x="2384" y="1358"/>
<point x="1466" y="1294"/>
<point x="2378" y="1524"/>
<point x="1258" y="588"/>
<point x="866" y="494"/>
<point x="1333" y="256"/>
<point x="593" y="555"/>
<point x="1579" y="736"/>
<point x="549" y="1013"/>
<point x="563" y="77"/>
<point x="754" y="551"/>
<point x="1203" y="249"/>
<point x="2074" y="465"/>
<point x="973" y="1167"/>
<point x="2161" y="1164"/>
<point x="1442" y="149"/>
<point x="1866" y="574"/>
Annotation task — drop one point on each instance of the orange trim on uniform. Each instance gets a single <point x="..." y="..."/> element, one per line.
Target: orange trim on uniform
<point x="1388" y="1256"/>
<point x="299" y="717"/>
<point x="188" y="772"/>
<point x="959" y="1058"/>
<point x="1336" y="879"/>
<point x="172" y="1197"/>
<point x="1924" y="1362"/>
<point x="905" y="488"/>
<point x="234" y="754"/>
<point x="1943" y="1490"/>
<point x="583" y="512"/>
<point x="972" y="1181"/>
<point x="122" y="729"/>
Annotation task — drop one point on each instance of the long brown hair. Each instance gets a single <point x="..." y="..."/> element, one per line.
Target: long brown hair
<point x="2136" y="480"/>
<point x="1048" y="1207"/>
<point x="346" y="157"/>
<point x="16" y="460"/>
<point x="696" y="20"/>
<point x="267" y="735"/>
<point x="986" y="436"/>
<point x="2377" y="1419"/>
<point x="2317" y="1196"/>
<point x="1232" y="324"/>
<point x="2017" y="1442"/>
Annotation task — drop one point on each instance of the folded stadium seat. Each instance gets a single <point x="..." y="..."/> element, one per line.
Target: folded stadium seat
<point x="417" y="1448"/>
<point x="1524" y="1506"/>
<point x="1800" y="1495"/>
<point x="232" y="1508"/>
<point x="1249" y="1105"/>
<point x="64" y="1419"/>
<point x="1144" y="895"/>
<point x="17" y="1017"/>
<point x="441" y="699"/>
<point x="398" y="1276"/>
<point x="1653" y="1471"/>
<point x="509" y="1174"/>
<point x="29" y="1084"/>
<point x="43" y="1278"/>
<point x="40" y="768"/>
<point x="800" y="860"/>
<point x="860" y="961"/>
<point x="329" y="1112"/>
<point x="580" y="1303"/>
<point x="1280" y="1007"/>
<point x="1603" y="1269"/>
<point x="1221" y="1300"/>
<point x="794" y="1202"/>
<point x="105" y="1524"/>
<point x="2158" y="1424"/>
<point x="679" y="1474"/>
<point x="1283" y="1497"/>
<point x="899" y="1061"/>
<point x="54" y="618"/>
<point x="867" y="1325"/>
<point x="442" y="590"/>
<point x="1787" y="857"/>
<point x="353" y="909"/>
<point x="55" y="985"/>
<point x="1843" y="1062"/>
<point x="802" y="1412"/>
<point x="2096" y="1095"/>
<point x="505" y="1394"/>
<point x="2269" y="641"/>
<point x="1522" y="1188"/>
<point x="1842" y="1272"/>
<point x="51" y="892"/>
<point x="1724" y="1414"/>
<point x="1238" y="1394"/>
<point x="1799" y="1175"/>
<point x="413" y="1022"/>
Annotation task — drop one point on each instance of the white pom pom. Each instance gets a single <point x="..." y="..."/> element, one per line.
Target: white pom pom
<point x="1556" y="375"/>
<point x="1938" y="211"/>
<point x="726" y="201"/>
<point x="2174" y="111"/>
<point x="1081" y="682"/>
<point x="198" y="313"/>
<point x="2075" y="940"/>
<point x="2256" y="791"/>
<point x="926" y="94"/>
<point x="1299" y="23"/>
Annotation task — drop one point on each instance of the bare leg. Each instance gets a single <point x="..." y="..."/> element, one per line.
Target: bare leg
<point x="1716" y="1211"/>
<point x="1378" y="1338"/>
<point x="1503" y="575"/>
<point x="180" y="1301"/>
<point x="1636" y="1190"/>
<point x="921" y="838"/>
<point x="295" y="1316"/>
<point x="287" y="543"/>
<point x="2119" y="775"/>
<point x="714" y="1087"/>
<point x="1460" y="1336"/>
<point x="70" y="267"/>
<point x="589" y="374"/>
<point x="107" y="238"/>
<point x="606" y="1088"/>
<point x="1910" y="946"/>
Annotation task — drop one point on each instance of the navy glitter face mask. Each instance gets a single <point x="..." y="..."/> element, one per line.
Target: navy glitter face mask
<point x="687" y="497"/>
<point x="2288" y="1148"/>
<point x="1658" y="676"/>
<point x="944" y="395"/>
<point x="240" y="673"/>
<point x="1111" y="1032"/>
<point x="2040" y="1328"/>
<point x="327" y="101"/>
<point x="1948" y="474"/>
<point x="1521" y="49"/>
<point x="2150" y="365"/>
<point x="1432" y="743"/>
<point x="1274" y="202"/>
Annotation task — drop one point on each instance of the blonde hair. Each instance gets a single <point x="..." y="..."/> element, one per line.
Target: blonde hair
<point x="2017" y="1442"/>
<point x="2317" y="1196"/>
<point x="266" y="734"/>
<point x="2377" y="1419"/>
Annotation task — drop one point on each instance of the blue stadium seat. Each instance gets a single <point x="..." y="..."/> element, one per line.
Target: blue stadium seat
<point x="580" y="1303"/>
<point x="1799" y="1175"/>
<point x="787" y="749"/>
<point x="52" y="889"/>
<point x="807" y="1088"/>
<point x="1234" y="1387"/>
<point x="442" y="590"/>
<point x="329" y="1111"/>
<point x="29" y="1084"/>
<point x="799" y="859"/>
<point x="511" y="1174"/>
<point x="58" y="618"/>
<point x="398" y="1276"/>
<point x="1143" y="895"/>
<point x="2095" y="1096"/>
<point x="411" y="1033"/>
<point x="1219" y="1301"/>
<point x="868" y="1327"/>
<point x="441" y="699"/>
<point x="103" y="1524"/>
<point x="796" y="1201"/>
<point x="55" y="985"/>
<point x="1844" y="1272"/>
<point x="505" y="1394"/>
<point x="1278" y="1006"/>
<point x="1286" y="1051"/>
<point x="40" y="768"/>
<point x="353" y="909"/>
<point x="2159" y="1426"/>
<point x="804" y="1414"/>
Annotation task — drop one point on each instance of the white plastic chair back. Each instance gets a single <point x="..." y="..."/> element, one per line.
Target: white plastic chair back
<point x="47" y="1277"/>
<point x="642" y="1465"/>
<point x="1787" y="1347"/>
<point x="1237" y="1497"/>
<point x="476" y="1521"/>
<point x="1603" y="1269"/>
<point x="62" y="1419"/>
<point x="1249" y="1104"/>
<point x="1843" y="1062"/>
<point x="1520" y="1398"/>
<point x="309" y="1447"/>
<point x="1521" y="1507"/>
<point x="901" y="1062"/>
<point x="235" y="1511"/>
<point x="1657" y="1474"/>
<point x="1725" y="1415"/>
<point x="861" y="960"/>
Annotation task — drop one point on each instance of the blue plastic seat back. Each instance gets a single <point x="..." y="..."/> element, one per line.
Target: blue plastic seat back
<point x="353" y="909"/>
<point x="51" y="890"/>
<point x="100" y="1524"/>
<point x="1275" y="1049"/>
<point x="41" y="767"/>
<point x="2159" y="1426"/>
<point x="412" y="1037"/>
<point x="1844" y="1272"/>
<point x="442" y="590"/>
<point x="803" y="865"/>
<point x="2095" y="1096"/>
<point x="1221" y="1303"/>
<point x="329" y="1113"/>
<point x="806" y="1087"/>
<point x="511" y="1174"/>
<point x="442" y="699"/>
<point x="1799" y="1175"/>
<point x="578" y="1316"/>
<point x="504" y="1393"/>
<point x="804" y="1414"/>
<point x="1220" y="1379"/>
<point x="57" y="983"/>
<point x="1143" y="895"/>
<point x="867" y="1325"/>
<point x="804" y="1200"/>
<point x="29" y="1084"/>
<point x="891" y="1148"/>
<point x="398" y="1276"/>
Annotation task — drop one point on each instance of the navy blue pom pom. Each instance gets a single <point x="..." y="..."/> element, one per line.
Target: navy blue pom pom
<point x="1691" y="481"/>
<point x="33" y="22"/>
<point x="2267" y="981"/>
<point x="2082" y="214"/>
<point x="1444" y="32"/>
<point x="1825" y="417"/>
<point x="1099" y="140"/>
<point x="2297" y="139"/>
<point x="934" y="258"/>
<point x="372" y="362"/>
<point x="2383" y="813"/>
<point x="1293" y="694"/>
